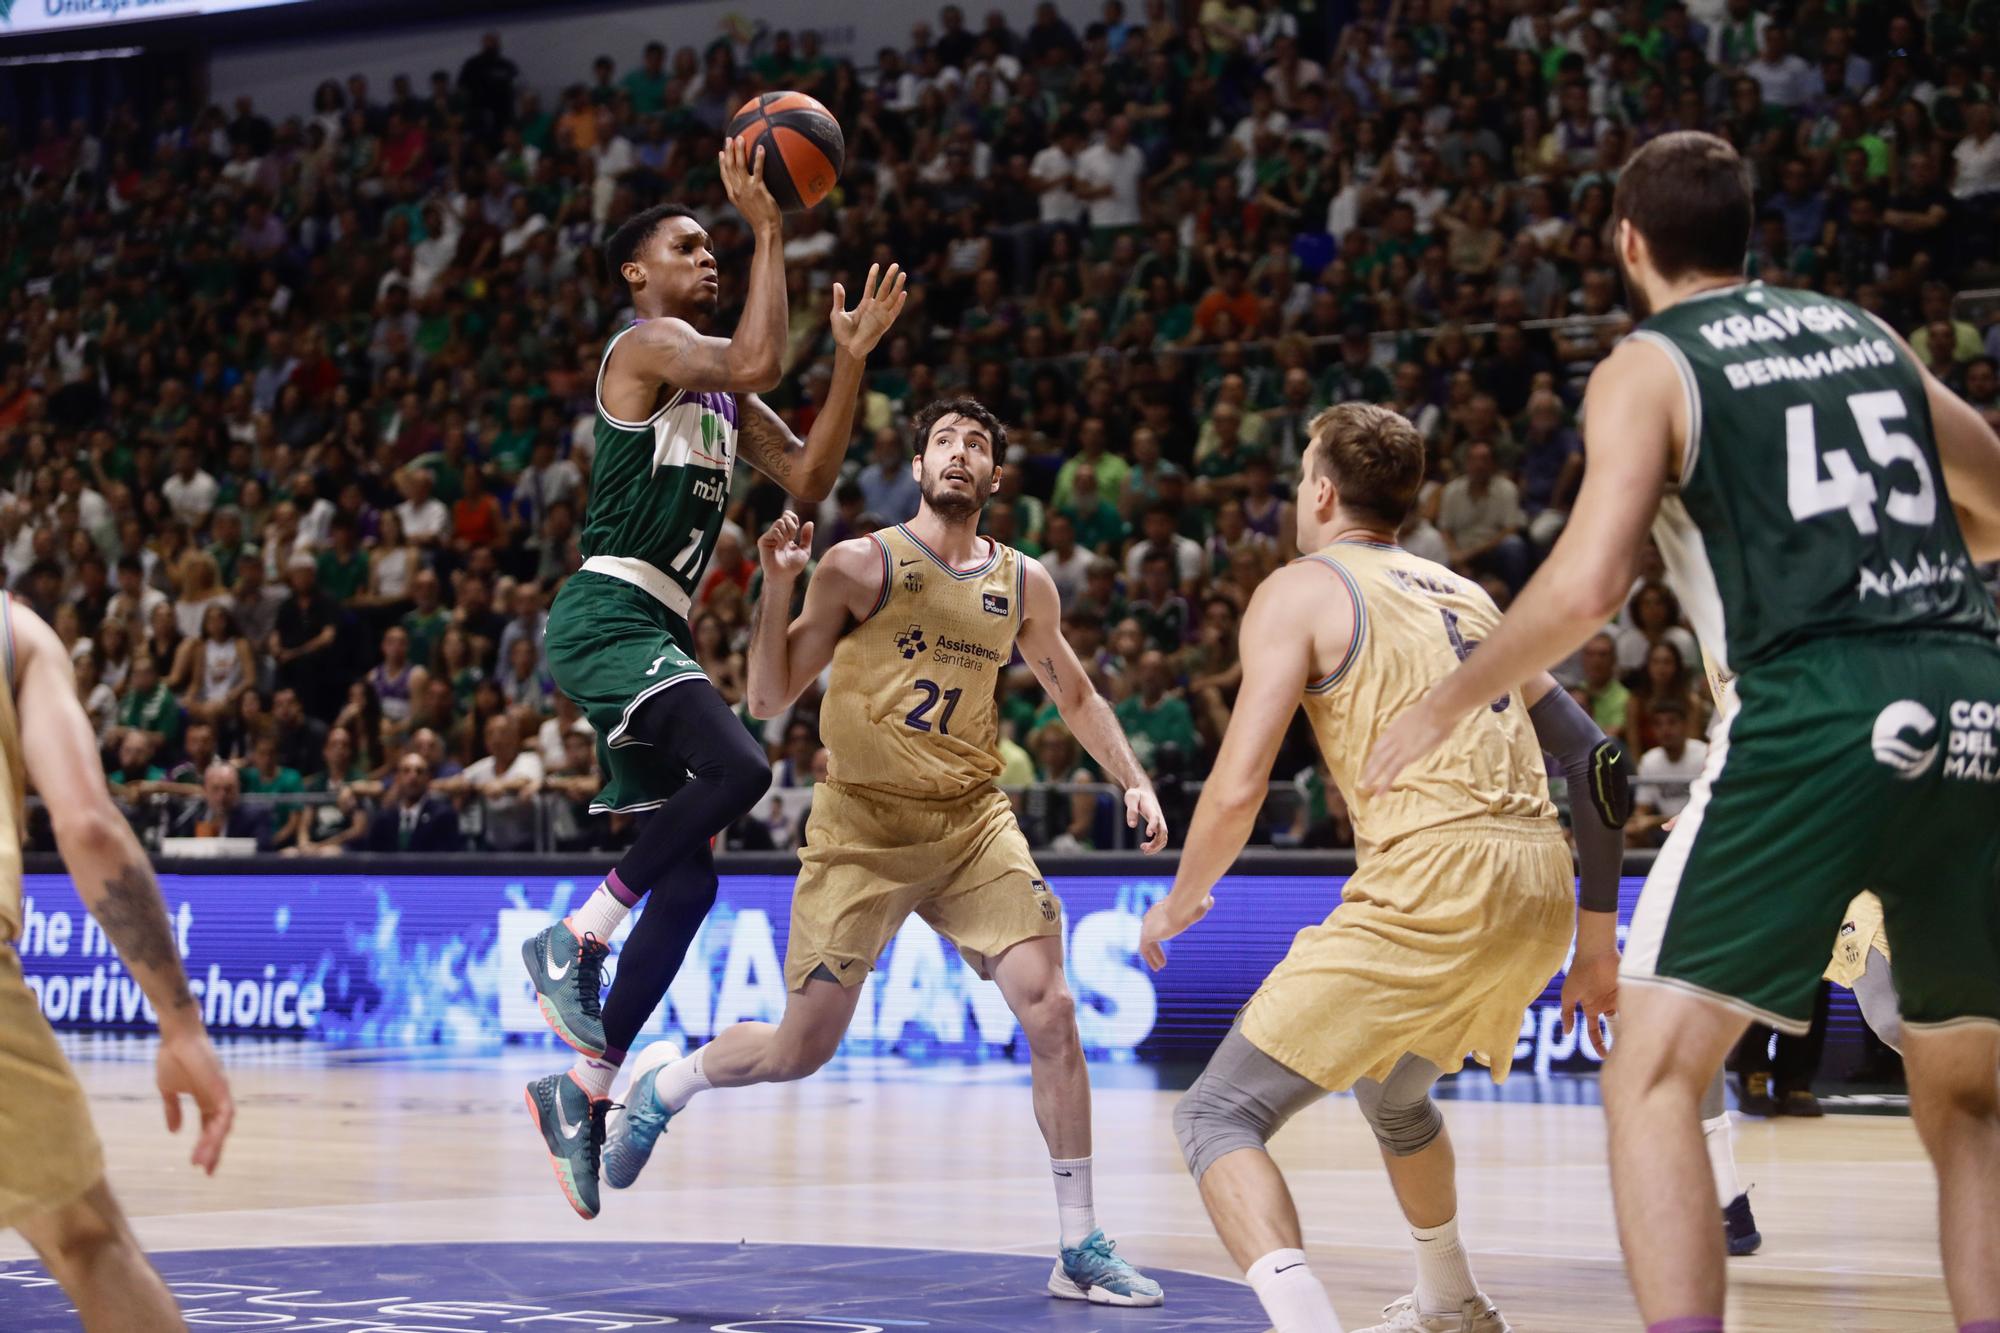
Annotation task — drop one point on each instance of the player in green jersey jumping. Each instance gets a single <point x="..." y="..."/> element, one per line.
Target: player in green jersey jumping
<point x="1819" y="497"/>
<point x="675" y="408"/>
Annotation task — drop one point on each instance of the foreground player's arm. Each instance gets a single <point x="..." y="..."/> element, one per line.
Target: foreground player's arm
<point x="113" y="877"/>
<point x="1599" y="773"/>
<point x="1635" y="409"/>
<point x="671" y="351"/>
<point x="808" y="468"/>
<point x="1084" y="711"/>
<point x="787" y="655"/>
<point x="1273" y="678"/>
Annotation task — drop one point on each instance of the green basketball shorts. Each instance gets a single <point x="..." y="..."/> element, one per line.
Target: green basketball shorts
<point x="1848" y="764"/>
<point x="612" y="646"/>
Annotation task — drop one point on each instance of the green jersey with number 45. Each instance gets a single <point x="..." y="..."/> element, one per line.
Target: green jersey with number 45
<point x="659" y="487"/>
<point x="1810" y="503"/>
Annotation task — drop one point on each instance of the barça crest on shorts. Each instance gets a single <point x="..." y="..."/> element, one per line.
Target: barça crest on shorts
<point x="911" y="642"/>
<point x="1044" y="899"/>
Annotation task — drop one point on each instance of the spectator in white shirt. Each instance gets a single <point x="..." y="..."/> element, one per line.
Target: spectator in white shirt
<point x="1665" y="773"/>
<point x="190" y="492"/>
<point x="1108" y="177"/>
<point x="502" y="788"/>
<point x="424" y="517"/>
<point x="1977" y="156"/>
<point x="1787" y="80"/>
<point x="1052" y="173"/>
<point x="1068" y="564"/>
<point x="1480" y="518"/>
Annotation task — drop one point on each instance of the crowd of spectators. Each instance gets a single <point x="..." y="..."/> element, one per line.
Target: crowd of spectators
<point x="295" y="416"/>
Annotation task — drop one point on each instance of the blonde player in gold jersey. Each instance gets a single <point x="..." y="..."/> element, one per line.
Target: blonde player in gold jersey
<point x="918" y="621"/>
<point x="52" y="1187"/>
<point x="1458" y="914"/>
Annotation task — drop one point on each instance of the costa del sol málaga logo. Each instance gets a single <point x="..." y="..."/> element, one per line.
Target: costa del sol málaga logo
<point x="1910" y="756"/>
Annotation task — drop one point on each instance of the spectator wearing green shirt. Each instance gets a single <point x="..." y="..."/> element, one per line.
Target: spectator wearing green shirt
<point x="1112" y="471"/>
<point x="135" y="767"/>
<point x="265" y="775"/>
<point x="229" y="546"/>
<point x="427" y="621"/>
<point x="1098" y="524"/>
<point x="647" y="85"/>
<point x="514" y="442"/>
<point x="1609" y="699"/>
<point x="149" y="706"/>
<point x="343" y="567"/>
<point x="1160" y="610"/>
<point x="1154" y="719"/>
<point x="1220" y="472"/>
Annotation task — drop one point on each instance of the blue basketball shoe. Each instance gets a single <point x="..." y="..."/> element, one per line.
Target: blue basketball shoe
<point x="630" y="1142"/>
<point x="1093" y="1272"/>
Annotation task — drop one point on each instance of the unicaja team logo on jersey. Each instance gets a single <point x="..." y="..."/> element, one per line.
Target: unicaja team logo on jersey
<point x="911" y="642"/>
<point x="1909" y="755"/>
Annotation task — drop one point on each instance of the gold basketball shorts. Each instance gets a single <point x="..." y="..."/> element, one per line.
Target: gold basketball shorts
<point x="1440" y="943"/>
<point x="49" y="1153"/>
<point x="872" y="859"/>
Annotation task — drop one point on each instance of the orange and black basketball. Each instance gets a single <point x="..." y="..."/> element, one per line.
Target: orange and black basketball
<point x="802" y="143"/>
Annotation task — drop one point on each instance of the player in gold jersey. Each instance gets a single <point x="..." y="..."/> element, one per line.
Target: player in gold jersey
<point x="918" y="622"/>
<point x="52" y="1187"/>
<point x="1460" y="909"/>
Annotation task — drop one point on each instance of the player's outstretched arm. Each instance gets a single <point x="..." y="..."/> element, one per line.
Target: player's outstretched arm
<point x="1634" y="410"/>
<point x="787" y="655"/>
<point x="671" y="351"/>
<point x="1280" y="622"/>
<point x="808" y="468"/>
<point x="1084" y="711"/>
<point x="113" y="877"/>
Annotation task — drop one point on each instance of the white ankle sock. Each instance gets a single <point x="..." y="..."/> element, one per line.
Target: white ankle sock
<point x="676" y="1084"/>
<point x="1720" y="1140"/>
<point x="594" y="1076"/>
<point x="1075" y="1206"/>
<point x="1291" y="1295"/>
<point x="1444" y="1274"/>
<point x="601" y="914"/>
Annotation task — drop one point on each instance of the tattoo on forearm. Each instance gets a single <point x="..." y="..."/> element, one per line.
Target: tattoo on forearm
<point x="765" y="443"/>
<point x="134" y="918"/>
<point x="1049" y="668"/>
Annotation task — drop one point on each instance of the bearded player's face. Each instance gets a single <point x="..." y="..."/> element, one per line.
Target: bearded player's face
<point x="677" y="264"/>
<point x="956" y="471"/>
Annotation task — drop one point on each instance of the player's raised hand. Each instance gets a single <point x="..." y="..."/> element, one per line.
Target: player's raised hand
<point x="743" y="180"/>
<point x="1409" y="738"/>
<point x="857" y="331"/>
<point x="1592" y="986"/>
<point x="1164" y="920"/>
<point x="187" y="1064"/>
<point x="1142" y="810"/>
<point x="785" y="548"/>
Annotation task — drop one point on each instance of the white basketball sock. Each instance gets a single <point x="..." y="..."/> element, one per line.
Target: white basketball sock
<point x="1075" y="1206"/>
<point x="1719" y="1137"/>
<point x="1444" y="1274"/>
<point x="1291" y="1295"/>
<point x="601" y="914"/>
<point x="676" y="1084"/>
<point x="594" y="1076"/>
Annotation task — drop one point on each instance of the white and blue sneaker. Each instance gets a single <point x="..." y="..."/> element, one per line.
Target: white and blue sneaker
<point x="629" y="1141"/>
<point x="1093" y="1272"/>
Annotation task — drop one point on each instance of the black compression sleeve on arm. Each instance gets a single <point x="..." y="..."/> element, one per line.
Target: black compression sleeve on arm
<point x="1599" y="775"/>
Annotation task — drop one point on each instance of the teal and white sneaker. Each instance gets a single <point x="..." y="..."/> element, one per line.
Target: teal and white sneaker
<point x="568" y="974"/>
<point x="1092" y="1272"/>
<point x="630" y="1142"/>
<point x="572" y="1128"/>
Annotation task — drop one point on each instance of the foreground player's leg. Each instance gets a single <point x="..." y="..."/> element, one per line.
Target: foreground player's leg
<point x="1956" y="1105"/>
<point x="1670" y="1042"/>
<point x="89" y="1248"/>
<point x="1223" y="1122"/>
<point x="815" y="1019"/>
<point x="1423" y="1171"/>
<point x="1718" y="1136"/>
<point x="1030" y="977"/>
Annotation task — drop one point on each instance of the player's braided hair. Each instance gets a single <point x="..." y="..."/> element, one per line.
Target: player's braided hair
<point x="971" y="408"/>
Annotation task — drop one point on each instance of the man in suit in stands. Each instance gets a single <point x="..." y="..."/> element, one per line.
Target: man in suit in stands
<point x="413" y="820"/>
<point x="220" y="813"/>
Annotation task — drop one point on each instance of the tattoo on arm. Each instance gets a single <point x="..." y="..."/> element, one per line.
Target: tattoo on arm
<point x="134" y="918"/>
<point x="1049" y="666"/>
<point x="764" y="441"/>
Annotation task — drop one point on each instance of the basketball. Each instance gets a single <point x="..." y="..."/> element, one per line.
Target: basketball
<point x="802" y="144"/>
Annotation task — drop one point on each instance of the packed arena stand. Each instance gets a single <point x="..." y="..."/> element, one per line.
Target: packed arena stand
<point x="296" y="418"/>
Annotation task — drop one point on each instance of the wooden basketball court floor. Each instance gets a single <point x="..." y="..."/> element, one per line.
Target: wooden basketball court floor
<point x="342" y="1148"/>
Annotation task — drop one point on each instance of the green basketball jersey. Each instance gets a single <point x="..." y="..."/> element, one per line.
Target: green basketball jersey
<point x="658" y="487"/>
<point x="1810" y="502"/>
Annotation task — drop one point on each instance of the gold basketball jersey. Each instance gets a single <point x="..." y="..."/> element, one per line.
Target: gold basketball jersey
<point x="910" y="709"/>
<point x="1414" y="621"/>
<point x="13" y="779"/>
